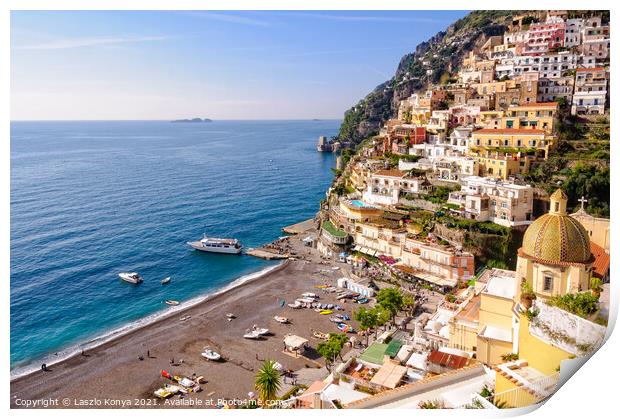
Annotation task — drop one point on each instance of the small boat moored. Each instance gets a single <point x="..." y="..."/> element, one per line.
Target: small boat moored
<point x="211" y="355"/>
<point x="166" y="280"/>
<point x="172" y="302"/>
<point x="131" y="277"/>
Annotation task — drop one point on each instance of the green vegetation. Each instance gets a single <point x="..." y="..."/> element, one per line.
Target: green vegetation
<point x="368" y="320"/>
<point x="267" y="383"/>
<point x="331" y="229"/>
<point x="330" y="349"/>
<point x="390" y="300"/>
<point x="583" y="304"/>
<point x="439" y="194"/>
<point x="510" y="357"/>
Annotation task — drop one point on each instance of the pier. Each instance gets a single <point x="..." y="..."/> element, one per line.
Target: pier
<point x="299" y="228"/>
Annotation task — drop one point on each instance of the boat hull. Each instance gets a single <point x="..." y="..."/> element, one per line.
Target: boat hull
<point x="227" y="250"/>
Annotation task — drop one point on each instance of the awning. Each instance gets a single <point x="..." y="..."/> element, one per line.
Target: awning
<point x="389" y="375"/>
<point x="442" y="282"/>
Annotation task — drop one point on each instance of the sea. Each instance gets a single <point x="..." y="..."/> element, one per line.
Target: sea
<point x="92" y="199"/>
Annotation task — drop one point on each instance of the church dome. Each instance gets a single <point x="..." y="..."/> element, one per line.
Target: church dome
<point x="556" y="237"/>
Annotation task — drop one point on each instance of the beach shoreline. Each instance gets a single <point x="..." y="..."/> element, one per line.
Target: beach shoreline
<point x="136" y="325"/>
<point x="115" y="370"/>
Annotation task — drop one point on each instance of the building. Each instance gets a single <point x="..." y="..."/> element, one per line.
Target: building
<point x="387" y="186"/>
<point x="536" y="116"/>
<point x="595" y="39"/>
<point x="441" y="265"/>
<point x="555" y="258"/>
<point x="501" y="202"/>
<point x="590" y="91"/>
<point x="545" y="36"/>
<point x="555" y="89"/>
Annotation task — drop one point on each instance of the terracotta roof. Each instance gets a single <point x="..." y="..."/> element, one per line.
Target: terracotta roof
<point x="447" y="360"/>
<point x="537" y="105"/>
<point x="510" y="131"/>
<point x="601" y="260"/>
<point x="393" y="173"/>
<point x="591" y="69"/>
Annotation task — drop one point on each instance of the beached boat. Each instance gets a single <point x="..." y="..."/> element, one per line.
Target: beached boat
<point x="211" y="355"/>
<point x="295" y="305"/>
<point x="166" y="280"/>
<point x="217" y="245"/>
<point x="131" y="277"/>
<point x="325" y="312"/>
<point x="252" y="334"/>
<point x="335" y="319"/>
<point x="361" y="300"/>
<point x="260" y="330"/>
<point x="280" y="319"/>
<point x="320" y="335"/>
<point x="230" y="316"/>
<point x="309" y="295"/>
<point x="172" y="302"/>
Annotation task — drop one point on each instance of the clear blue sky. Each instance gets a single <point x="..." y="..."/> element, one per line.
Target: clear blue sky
<point x="220" y="65"/>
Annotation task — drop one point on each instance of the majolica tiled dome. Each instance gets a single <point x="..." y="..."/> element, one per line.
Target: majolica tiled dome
<point x="557" y="237"/>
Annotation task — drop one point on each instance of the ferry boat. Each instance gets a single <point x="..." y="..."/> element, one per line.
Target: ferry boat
<point x="216" y="245"/>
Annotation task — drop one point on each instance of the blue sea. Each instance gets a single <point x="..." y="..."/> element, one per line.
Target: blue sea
<point x="92" y="199"/>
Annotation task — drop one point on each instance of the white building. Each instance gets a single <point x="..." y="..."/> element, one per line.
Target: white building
<point x="386" y="187"/>
<point x="590" y="91"/>
<point x="488" y="199"/>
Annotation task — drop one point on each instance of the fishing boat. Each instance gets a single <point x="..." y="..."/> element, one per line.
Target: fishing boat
<point x="165" y="281"/>
<point x="211" y="355"/>
<point x="172" y="302"/>
<point x="280" y="319"/>
<point x="131" y="277"/>
<point x="325" y="312"/>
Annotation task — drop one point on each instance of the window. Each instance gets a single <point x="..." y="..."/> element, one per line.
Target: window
<point x="547" y="282"/>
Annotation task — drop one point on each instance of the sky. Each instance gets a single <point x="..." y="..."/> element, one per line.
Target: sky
<point x="110" y="65"/>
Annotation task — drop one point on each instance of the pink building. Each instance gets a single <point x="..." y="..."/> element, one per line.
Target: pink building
<point x="546" y="36"/>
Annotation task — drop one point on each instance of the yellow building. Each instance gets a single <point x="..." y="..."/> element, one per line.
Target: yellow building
<point x="511" y="142"/>
<point x="597" y="228"/>
<point x="555" y="258"/>
<point x="502" y="167"/>
<point x="494" y="87"/>
<point x="536" y="116"/>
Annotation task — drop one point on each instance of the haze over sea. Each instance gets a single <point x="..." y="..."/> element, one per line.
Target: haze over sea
<point x="92" y="199"/>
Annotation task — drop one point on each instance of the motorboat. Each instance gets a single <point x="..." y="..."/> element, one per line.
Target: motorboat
<point x="172" y="302"/>
<point x="252" y="334"/>
<point x="260" y="330"/>
<point x="281" y="319"/>
<point x="131" y="277"/>
<point x="166" y="280"/>
<point x="211" y="355"/>
<point x="217" y="245"/>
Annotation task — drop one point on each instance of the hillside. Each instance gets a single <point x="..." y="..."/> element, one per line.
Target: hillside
<point x="433" y="61"/>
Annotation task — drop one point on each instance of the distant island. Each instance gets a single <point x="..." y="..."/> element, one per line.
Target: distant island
<point x="193" y="120"/>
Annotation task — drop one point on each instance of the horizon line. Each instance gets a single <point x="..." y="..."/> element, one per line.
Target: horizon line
<point x="171" y="120"/>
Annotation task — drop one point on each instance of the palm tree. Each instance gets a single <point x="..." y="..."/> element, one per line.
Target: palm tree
<point x="267" y="382"/>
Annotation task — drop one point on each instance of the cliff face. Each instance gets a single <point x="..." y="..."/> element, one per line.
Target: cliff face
<point x="432" y="62"/>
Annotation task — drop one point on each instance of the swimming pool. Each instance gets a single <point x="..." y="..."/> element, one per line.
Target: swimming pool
<point x="358" y="203"/>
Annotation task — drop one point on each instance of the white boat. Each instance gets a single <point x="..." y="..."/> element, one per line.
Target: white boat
<point x="211" y="355"/>
<point x="281" y="319"/>
<point x="230" y="316"/>
<point x="165" y="281"/>
<point x="131" y="277"/>
<point x="252" y="334"/>
<point x="309" y="295"/>
<point x="217" y="245"/>
<point x="172" y="302"/>
<point x="260" y="330"/>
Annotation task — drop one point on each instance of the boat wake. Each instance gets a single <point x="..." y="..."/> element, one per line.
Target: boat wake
<point x="51" y="359"/>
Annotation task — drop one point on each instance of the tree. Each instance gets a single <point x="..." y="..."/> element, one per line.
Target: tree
<point x="368" y="319"/>
<point x="330" y="349"/>
<point x="267" y="382"/>
<point x="409" y="303"/>
<point x="596" y="285"/>
<point x="390" y="300"/>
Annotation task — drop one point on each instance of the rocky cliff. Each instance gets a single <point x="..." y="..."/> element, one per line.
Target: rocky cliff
<point x="432" y="62"/>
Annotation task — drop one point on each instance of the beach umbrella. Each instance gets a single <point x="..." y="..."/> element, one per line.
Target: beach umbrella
<point x="165" y="374"/>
